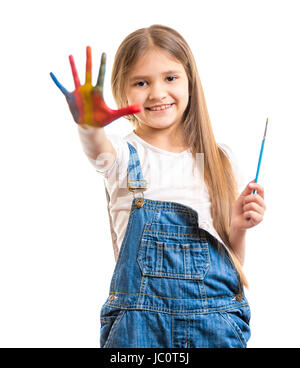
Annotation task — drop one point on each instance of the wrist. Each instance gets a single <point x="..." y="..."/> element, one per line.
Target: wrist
<point x="86" y="129"/>
<point x="236" y="231"/>
<point x="237" y="240"/>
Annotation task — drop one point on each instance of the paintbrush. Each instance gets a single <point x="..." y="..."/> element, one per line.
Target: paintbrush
<point x="260" y="155"/>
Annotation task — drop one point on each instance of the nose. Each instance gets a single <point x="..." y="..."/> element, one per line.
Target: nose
<point x="157" y="92"/>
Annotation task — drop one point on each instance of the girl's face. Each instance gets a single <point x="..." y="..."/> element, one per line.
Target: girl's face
<point x="159" y="84"/>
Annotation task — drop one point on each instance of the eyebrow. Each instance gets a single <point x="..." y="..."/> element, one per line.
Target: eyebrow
<point x="147" y="76"/>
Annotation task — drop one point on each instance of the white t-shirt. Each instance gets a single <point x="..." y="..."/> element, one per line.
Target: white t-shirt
<point x="171" y="177"/>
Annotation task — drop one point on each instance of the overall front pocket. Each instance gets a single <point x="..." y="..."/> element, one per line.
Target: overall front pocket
<point x="109" y="319"/>
<point x="186" y="259"/>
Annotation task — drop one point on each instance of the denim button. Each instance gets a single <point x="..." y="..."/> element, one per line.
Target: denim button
<point x="139" y="202"/>
<point x="239" y="297"/>
<point x="112" y="298"/>
<point x="184" y="246"/>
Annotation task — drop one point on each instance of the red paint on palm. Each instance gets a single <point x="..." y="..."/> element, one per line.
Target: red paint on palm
<point x="103" y="115"/>
<point x="79" y="107"/>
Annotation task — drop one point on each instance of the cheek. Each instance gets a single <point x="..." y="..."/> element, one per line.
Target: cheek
<point x="182" y="94"/>
<point x="135" y="98"/>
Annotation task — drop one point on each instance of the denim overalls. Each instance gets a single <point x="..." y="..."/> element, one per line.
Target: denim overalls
<point x="174" y="285"/>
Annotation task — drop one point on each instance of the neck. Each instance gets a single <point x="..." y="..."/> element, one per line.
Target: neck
<point x="170" y="139"/>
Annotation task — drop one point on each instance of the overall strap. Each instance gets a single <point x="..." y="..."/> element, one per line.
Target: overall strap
<point x="135" y="178"/>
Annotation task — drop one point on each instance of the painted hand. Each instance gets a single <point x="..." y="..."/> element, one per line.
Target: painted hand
<point x="249" y="209"/>
<point x="86" y="102"/>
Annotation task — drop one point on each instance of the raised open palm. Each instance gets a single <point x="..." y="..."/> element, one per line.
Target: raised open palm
<point x="86" y="102"/>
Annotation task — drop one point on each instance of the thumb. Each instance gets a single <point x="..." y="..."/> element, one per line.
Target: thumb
<point x="248" y="189"/>
<point x="128" y="110"/>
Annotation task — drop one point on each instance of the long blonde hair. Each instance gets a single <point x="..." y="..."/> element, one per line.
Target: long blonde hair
<point x="218" y="173"/>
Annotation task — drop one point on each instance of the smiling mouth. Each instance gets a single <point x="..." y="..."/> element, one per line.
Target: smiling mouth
<point x="159" y="108"/>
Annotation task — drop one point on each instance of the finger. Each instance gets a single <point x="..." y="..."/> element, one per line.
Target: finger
<point x="88" y="69"/>
<point x="255" y="198"/>
<point x="59" y="85"/>
<point x="74" y="72"/>
<point x="100" y="79"/>
<point x="253" y="216"/>
<point x="254" y="207"/>
<point x="128" y="110"/>
<point x="257" y="188"/>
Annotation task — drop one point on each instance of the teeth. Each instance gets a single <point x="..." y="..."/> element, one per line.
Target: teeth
<point x="159" y="108"/>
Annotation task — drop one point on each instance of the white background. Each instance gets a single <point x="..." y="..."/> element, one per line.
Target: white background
<point x="56" y="257"/>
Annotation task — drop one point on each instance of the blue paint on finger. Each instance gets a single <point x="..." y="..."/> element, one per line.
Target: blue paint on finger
<point x="59" y="85"/>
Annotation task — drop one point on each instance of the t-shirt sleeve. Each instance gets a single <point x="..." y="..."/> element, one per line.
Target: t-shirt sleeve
<point x="105" y="164"/>
<point x="238" y="173"/>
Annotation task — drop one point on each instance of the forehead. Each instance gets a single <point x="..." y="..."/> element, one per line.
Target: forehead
<point x="155" y="61"/>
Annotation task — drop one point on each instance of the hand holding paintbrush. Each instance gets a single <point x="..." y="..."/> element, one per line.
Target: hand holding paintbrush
<point x="248" y="210"/>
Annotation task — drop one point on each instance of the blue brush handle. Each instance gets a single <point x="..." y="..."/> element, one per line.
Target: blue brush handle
<point x="259" y="162"/>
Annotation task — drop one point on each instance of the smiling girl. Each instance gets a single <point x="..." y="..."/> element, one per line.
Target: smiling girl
<point x="178" y="222"/>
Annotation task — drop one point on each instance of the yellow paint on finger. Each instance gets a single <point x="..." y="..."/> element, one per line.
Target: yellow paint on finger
<point x="86" y="92"/>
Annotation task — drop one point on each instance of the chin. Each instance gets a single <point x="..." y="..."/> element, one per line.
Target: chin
<point x="161" y="125"/>
<point x="158" y="124"/>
